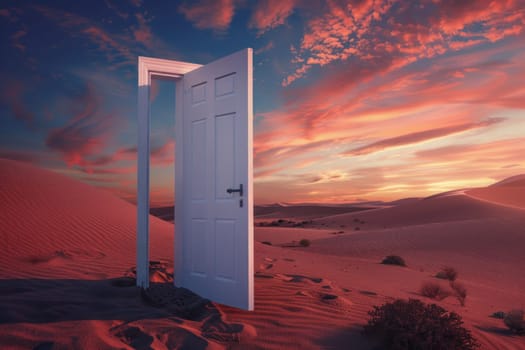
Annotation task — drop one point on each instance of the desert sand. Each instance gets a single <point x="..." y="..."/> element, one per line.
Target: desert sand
<point x="68" y="252"/>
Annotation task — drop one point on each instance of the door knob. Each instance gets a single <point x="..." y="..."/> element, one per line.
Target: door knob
<point x="232" y="190"/>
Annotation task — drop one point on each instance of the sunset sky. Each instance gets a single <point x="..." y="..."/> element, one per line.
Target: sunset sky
<point x="353" y="100"/>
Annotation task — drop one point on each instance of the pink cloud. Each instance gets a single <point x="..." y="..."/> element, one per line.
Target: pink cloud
<point x="271" y="160"/>
<point x="209" y="14"/>
<point x="335" y="100"/>
<point x="16" y="39"/>
<point x="115" y="9"/>
<point x="269" y="14"/>
<point x="270" y="45"/>
<point x="143" y="32"/>
<point x="85" y="134"/>
<point x="421" y="136"/>
<point x="406" y="32"/>
<point x="115" y="46"/>
<point x="118" y="161"/>
<point x="508" y="151"/>
<point x="12" y="95"/>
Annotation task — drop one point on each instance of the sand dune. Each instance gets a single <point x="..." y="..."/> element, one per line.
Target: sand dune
<point x="303" y="212"/>
<point x="66" y="271"/>
<point x="509" y="192"/>
<point x="435" y="209"/>
<point x="53" y="226"/>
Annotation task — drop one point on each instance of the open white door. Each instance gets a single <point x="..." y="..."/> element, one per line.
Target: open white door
<point x="214" y="188"/>
<point x="215" y="250"/>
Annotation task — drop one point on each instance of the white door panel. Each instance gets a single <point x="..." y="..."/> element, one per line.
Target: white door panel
<point x="218" y="228"/>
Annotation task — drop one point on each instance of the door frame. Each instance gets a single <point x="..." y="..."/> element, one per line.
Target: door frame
<point x="149" y="68"/>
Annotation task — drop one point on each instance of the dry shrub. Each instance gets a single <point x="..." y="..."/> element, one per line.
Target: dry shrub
<point x="447" y="273"/>
<point x="394" y="260"/>
<point x="433" y="290"/>
<point x="499" y="314"/>
<point x="304" y="242"/>
<point x="460" y="291"/>
<point x="413" y="325"/>
<point x="515" y="321"/>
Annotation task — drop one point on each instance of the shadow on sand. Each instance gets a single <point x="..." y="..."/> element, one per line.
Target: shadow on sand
<point x="55" y="300"/>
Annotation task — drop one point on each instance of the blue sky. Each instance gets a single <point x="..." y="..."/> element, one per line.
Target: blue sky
<point x="354" y="100"/>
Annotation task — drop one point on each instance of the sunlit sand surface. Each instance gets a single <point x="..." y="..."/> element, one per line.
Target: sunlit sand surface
<point x="68" y="252"/>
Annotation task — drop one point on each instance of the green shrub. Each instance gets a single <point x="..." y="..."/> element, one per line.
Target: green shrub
<point x="433" y="290"/>
<point x="413" y="325"/>
<point x="515" y="321"/>
<point x="447" y="273"/>
<point x="304" y="242"/>
<point x="394" y="260"/>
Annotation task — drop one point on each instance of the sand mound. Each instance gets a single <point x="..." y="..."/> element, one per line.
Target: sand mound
<point x="54" y="226"/>
<point x="435" y="209"/>
<point x="509" y="192"/>
<point x="302" y="212"/>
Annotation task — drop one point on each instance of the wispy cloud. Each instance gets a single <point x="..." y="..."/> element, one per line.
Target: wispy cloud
<point x="420" y="136"/>
<point x="403" y="31"/>
<point x="86" y="132"/>
<point x="270" y="45"/>
<point x="115" y="47"/>
<point x="16" y="39"/>
<point x="209" y="14"/>
<point x="119" y="47"/>
<point x="12" y="95"/>
<point x="269" y="14"/>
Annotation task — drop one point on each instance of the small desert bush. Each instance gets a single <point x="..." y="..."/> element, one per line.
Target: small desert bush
<point x="447" y="273"/>
<point x="394" y="260"/>
<point x="433" y="290"/>
<point x="515" y="321"/>
<point x="304" y="242"/>
<point x="413" y="325"/>
<point x="499" y="314"/>
<point x="459" y="291"/>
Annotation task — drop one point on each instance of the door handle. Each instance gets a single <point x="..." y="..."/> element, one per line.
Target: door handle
<point x="232" y="190"/>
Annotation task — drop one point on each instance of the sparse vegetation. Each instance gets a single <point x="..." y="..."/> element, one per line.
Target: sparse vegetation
<point x="414" y="325"/>
<point x="283" y="223"/>
<point x="394" y="260"/>
<point x="433" y="290"/>
<point x="498" y="314"/>
<point x="304" y="242"/>
<point x="447" y="273"/>
<point x="460" y="291"/>
<point x="515" y="321"/>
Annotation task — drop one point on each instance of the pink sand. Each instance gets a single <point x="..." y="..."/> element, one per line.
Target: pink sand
<point x="64" y="241"/>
